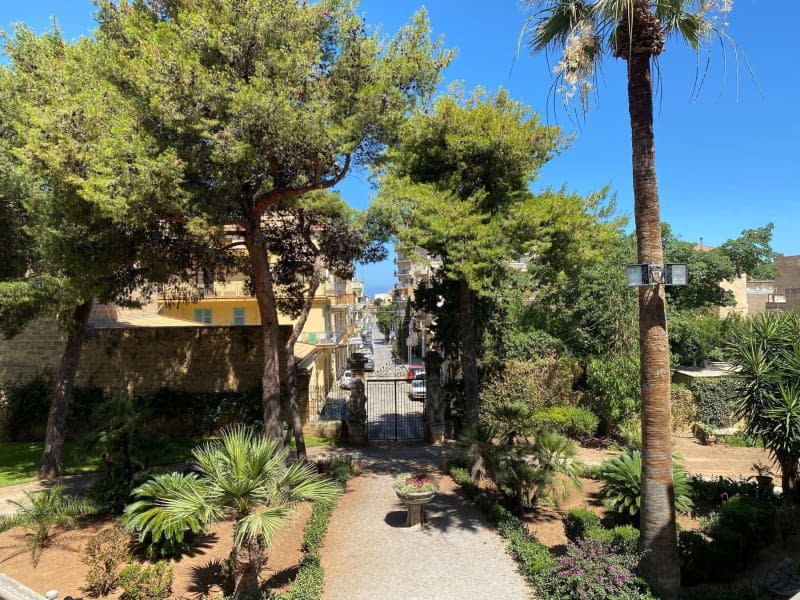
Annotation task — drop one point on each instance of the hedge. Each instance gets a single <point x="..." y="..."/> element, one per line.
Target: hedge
<point x="716" y="400"/>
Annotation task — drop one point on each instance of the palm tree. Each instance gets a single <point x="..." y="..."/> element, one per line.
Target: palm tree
<point x="43" y="511"/>
<point x="242" y="476"/>
<point x="635" y="30"/>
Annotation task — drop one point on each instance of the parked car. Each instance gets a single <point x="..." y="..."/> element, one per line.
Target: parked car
<point x="413" y="370"/>
<point x="418" y="386"/>
<point x="347" y="379"/>
<point x="369" y="365"/>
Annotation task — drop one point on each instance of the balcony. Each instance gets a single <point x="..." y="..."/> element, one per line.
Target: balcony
<point x="189" y="292"/>
<point x="321" y="338"/>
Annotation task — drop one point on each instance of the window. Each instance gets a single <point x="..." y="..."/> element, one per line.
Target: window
<point x="238" y="316"/>
<point x="203" y="315"/>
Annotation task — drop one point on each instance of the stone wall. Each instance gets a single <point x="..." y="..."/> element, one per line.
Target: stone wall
<point x="142" y="360"/>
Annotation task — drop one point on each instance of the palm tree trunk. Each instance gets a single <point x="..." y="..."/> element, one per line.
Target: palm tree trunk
<point x="469" y="354"/>
<point x="270" y="333"/>
<point x="52" y="457"/>
<point x="660" y="565"/>
<point x="245" y="562"/>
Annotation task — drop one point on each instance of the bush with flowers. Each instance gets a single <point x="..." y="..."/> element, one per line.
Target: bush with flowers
<point x="415" y="483"/>
<point x="594" y="570"/>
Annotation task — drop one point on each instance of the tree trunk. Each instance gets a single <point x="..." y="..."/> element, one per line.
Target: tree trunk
<point x="52" y="457"/>
<point x="660" y="565"/>
<point x="270" y="334"/>
<point x="245" y="562"/>
<point x="791" y="491"/>
<point x="469" y="354"/>
<point x="291" y="374"/>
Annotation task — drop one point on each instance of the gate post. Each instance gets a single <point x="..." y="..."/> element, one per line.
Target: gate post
<point x="357" y="405"/>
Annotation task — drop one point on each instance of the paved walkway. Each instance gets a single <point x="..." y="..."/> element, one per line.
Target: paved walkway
<point x="370" y="553"/>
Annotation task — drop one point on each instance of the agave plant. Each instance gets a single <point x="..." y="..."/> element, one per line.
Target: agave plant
<point x="42" y="512"/>
<point x="622" y="477"/>
<point x="242" y="476"/>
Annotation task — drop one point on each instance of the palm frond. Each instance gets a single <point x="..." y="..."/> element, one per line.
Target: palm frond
<point x="261" y="526"/>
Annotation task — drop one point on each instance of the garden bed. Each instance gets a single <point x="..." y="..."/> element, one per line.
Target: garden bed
<point x="60" y="567"/>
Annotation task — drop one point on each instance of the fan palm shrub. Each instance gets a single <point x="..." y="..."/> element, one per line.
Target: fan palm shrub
<point x="44" y="511"/>
<point x="541" y="471"/>
<point x="242" y="476"/>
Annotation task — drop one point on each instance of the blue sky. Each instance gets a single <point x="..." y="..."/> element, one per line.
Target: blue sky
<point x="726" y="159"/>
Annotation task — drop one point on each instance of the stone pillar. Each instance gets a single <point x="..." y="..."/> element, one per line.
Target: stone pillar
<point x="357" y="405"/>
<point x="434" y="399"/>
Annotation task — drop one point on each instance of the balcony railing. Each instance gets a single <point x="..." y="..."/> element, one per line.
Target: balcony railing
<point x="188" y="292"/>
<point x="322" y="338"/>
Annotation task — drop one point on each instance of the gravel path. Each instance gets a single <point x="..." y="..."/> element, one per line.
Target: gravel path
<point x="370" y="553"/>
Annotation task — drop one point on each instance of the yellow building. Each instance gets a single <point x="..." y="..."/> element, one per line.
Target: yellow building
<point x="336" y="314"/>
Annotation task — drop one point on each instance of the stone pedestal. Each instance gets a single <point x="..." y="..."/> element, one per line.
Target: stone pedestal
<point x="415" y="504"/>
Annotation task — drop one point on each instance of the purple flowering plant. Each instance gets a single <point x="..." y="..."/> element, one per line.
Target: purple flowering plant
<point x="594" y="570"/>
<point x="415" y="483"/>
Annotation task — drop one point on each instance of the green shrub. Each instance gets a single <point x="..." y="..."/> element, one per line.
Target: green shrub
<point x="614" y="384"/>
<point x="716" y="491"/>
<point x="703" y="560"/>
<point x="103" y="555"/>
<point x="723" y="592"/>
<point x="146" y="582"/>
<point x="339" y="468"/>
<point x="24" y="411"/>
<point x="568" y="420"/>
<point x="737" y="532"/>
<point x="716" y="400"/>
<point x="578" y="522"/>
<point x="542" y="383"/>
<point x="625" y="539"/>
<point x="752" y="519"/>
<point x="524" y="345"/>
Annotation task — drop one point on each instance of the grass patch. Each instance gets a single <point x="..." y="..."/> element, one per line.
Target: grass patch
<point x="19" y="461"/>
<point x="313" y="442"/>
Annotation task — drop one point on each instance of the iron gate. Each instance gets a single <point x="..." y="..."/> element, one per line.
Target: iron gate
<point x="392" y="415"/>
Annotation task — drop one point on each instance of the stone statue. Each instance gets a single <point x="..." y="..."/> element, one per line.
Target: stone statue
<point x="357" y="411"/>
<point x="357" y="405"/>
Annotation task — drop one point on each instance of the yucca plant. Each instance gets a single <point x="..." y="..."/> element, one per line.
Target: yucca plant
<point x="242" y="476"/>
<point x="622" y="476"/>
<point x="42" y="512"/>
